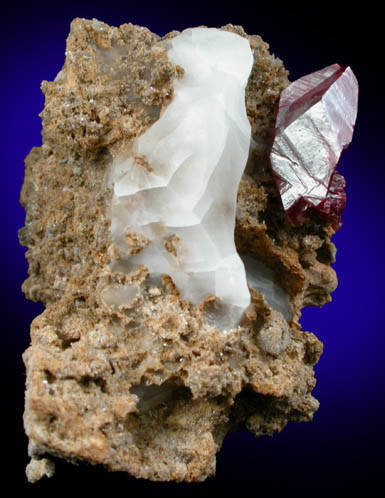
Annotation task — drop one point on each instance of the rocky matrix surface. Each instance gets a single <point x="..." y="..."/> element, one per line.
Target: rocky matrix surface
<point x="146" y="381"/>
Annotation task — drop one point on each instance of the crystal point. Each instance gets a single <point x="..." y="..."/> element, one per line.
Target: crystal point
<point x="314" y="124"/>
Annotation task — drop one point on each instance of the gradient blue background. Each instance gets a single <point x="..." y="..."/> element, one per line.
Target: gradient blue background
<point x="342" y="449"/>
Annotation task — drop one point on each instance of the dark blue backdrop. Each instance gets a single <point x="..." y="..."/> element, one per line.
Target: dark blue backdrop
<point x="342" y="449"/>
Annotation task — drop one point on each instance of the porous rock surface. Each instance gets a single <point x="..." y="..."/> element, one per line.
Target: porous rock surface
<point x="151" y="387"/>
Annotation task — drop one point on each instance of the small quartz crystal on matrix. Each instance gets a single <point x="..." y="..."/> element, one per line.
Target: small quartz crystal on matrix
<point x="163" y="243"/>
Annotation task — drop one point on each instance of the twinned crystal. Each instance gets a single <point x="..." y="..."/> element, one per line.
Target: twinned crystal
<point x="314" y="124"/>
<point x="157" y="240"/>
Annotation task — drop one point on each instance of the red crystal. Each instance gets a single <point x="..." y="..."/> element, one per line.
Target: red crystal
<point x="315" y="121"/>
<point x="331" y="208"/>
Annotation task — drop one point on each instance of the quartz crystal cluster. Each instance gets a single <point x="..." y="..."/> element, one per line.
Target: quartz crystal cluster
<point x="172" y="276"/>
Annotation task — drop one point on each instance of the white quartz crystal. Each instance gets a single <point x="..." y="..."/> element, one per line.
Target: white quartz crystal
<point x="262" y="279"/>
<point x="115" y="296"/>
<point x="178" y="188"/>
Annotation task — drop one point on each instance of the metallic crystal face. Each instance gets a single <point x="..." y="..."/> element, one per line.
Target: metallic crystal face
<point x="314" y="124"/>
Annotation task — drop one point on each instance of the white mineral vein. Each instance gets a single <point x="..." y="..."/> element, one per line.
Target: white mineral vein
<point x="179" y="186"/>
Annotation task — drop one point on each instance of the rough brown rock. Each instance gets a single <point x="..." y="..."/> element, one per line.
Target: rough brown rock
<point x="150" y="387"/>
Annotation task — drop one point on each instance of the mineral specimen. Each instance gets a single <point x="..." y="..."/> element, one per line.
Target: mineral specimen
<point x="315" y="122"/>
<point x="157" y="240"/>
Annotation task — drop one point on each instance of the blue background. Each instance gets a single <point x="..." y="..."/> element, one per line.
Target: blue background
<point x="342" y="449"/>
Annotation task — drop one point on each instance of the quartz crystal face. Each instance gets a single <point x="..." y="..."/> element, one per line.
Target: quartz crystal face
<point x="171" y="270"/>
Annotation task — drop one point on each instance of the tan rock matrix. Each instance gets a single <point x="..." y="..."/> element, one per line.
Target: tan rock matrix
<point x="150" y="385"/>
